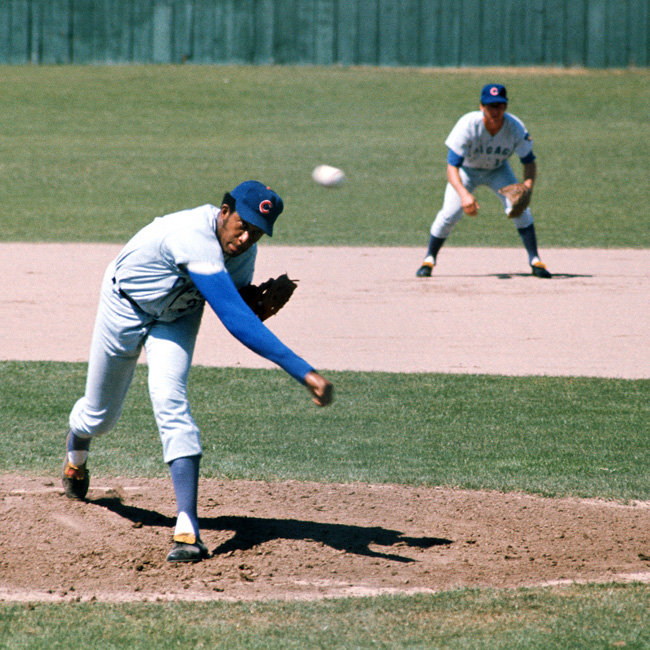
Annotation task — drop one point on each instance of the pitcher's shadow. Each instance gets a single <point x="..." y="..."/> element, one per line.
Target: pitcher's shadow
<point x="253" y="531"/>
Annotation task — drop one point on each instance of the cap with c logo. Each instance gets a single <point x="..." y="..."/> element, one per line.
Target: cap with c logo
<point x="257" y="204"/>
<point x="494" y="94"/>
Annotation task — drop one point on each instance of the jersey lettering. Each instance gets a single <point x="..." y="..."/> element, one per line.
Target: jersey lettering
<point x="484" y="150"/>
<point x="186" y="300"/>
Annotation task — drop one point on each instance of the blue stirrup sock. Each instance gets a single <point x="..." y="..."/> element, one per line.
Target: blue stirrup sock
<point x="435" y="244"/>
<point x="527" y="235"/>
<point x="77" y="449"/>
<point x="185" y="477"/>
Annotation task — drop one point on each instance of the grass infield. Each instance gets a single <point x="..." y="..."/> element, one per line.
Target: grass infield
<point x="598" y="617"/>
<point x="551" y="436"/>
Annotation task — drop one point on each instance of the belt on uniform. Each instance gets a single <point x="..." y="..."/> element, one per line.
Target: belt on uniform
<point x="126" y="297"/>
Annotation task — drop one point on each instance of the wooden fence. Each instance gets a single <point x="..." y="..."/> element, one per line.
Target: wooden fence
<point x="590" y="33"/>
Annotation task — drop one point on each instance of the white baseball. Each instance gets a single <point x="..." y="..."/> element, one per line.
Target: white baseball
<point x="328" y="176"/>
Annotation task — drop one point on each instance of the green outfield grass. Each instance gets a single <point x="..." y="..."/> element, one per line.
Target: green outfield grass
<point x="569" y="618"/>
<point x="93" y="153"/>
<point x="551" y="436"/>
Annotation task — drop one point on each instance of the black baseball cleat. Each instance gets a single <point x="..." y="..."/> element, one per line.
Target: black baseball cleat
<point x="539" y="270"/>
<point x="425" y="270"/>
<point x="184" y="552"/>
<point x="76" y="480"/>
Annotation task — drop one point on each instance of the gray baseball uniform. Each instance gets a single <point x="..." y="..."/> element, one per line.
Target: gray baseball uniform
<point x="479" y="147"/>
<point x="485" y="162"/>
<point x="153" y="296"/>
<point x="149" y="300"/>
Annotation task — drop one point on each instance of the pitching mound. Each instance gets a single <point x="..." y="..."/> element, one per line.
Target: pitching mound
<point x="306" y="540"/>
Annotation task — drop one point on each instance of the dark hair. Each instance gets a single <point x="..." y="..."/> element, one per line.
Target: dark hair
<point x="229" y="200"/>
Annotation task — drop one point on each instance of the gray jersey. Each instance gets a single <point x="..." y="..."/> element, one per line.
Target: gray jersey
<point x="152" y="268"/>
<point x="471" y="140"/>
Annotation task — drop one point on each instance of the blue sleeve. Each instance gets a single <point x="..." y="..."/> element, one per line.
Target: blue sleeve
<point x="454" y="159"/>
<point x="220" y="293"/>
<point x="528" y="159"/>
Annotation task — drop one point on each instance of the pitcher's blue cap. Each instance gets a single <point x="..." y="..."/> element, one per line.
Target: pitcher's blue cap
<point x="494" y="94"/>
<point x="257" y="204"/>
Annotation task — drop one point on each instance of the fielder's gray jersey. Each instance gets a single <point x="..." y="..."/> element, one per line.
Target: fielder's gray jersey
<point x="152" y="268"/>
<point x="471" y="140"/>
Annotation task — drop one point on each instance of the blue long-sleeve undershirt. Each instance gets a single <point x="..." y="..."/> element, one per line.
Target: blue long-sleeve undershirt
<point x="454" y="159"/>
<point x="224" y="299"/>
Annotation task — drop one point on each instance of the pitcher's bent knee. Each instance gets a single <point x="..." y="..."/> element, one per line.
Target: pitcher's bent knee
<point x="87" y="422"/>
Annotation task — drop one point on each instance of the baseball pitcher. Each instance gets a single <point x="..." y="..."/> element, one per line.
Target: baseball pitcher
<point x="152" y="297"/>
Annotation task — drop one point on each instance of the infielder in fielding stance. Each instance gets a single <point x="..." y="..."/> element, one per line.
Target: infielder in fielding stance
<point x="479" y="147"/>
<point x="153" y="295"/>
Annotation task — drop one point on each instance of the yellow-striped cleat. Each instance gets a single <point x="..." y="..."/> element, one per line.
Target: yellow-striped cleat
<point x="187" y="548"/>
<point x="539" y="270"/>
<point x="76" y="480"/>
<point x="425" y="270"/>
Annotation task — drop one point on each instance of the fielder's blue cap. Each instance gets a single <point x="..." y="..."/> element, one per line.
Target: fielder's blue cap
<point x="494" y="94"/>
<point x="257" y="204"/>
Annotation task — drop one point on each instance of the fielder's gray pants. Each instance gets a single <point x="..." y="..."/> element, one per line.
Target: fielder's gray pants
<point x="452" y="211"/>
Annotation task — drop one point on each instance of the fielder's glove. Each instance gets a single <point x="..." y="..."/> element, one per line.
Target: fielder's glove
<point x="268" y="298"/>
<point x="519" y="196"/>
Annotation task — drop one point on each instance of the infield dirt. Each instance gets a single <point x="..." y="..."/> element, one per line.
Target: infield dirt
<point x="355" y="309"/>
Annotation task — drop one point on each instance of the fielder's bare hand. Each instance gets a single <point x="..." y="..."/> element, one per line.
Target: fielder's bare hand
<point x="467" y="199"/>
<point x="320" y="388"/>
<point x="470" y="206"/>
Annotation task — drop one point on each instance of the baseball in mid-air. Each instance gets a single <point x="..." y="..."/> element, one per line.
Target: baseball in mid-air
<point x="328" y="176"/>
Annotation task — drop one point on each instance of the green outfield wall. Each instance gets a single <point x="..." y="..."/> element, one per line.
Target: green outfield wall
<point x="590" y="33"/>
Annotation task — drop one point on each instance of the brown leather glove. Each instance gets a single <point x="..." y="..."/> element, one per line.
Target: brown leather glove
<point x="519" y="196"/>
<point x="268" y="298"/>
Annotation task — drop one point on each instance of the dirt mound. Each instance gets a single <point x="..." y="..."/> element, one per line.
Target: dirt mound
<point x="306" y="540"/>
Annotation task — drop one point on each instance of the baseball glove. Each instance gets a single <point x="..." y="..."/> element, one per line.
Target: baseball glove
<point x="519" y="196"/>
<point x="268" y="298"/>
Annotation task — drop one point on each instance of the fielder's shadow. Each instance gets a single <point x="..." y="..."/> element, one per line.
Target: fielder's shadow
<point x="253" y="531"/>
<point x="556" y="276"/>
<point x="509" y="276"/>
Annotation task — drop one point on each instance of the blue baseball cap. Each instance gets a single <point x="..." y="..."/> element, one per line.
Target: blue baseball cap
<point x="494" y="94"/>
<point x="257" y="204"/>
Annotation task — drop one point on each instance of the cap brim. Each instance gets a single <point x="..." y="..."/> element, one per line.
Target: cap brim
<point x="250" y="216"/>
